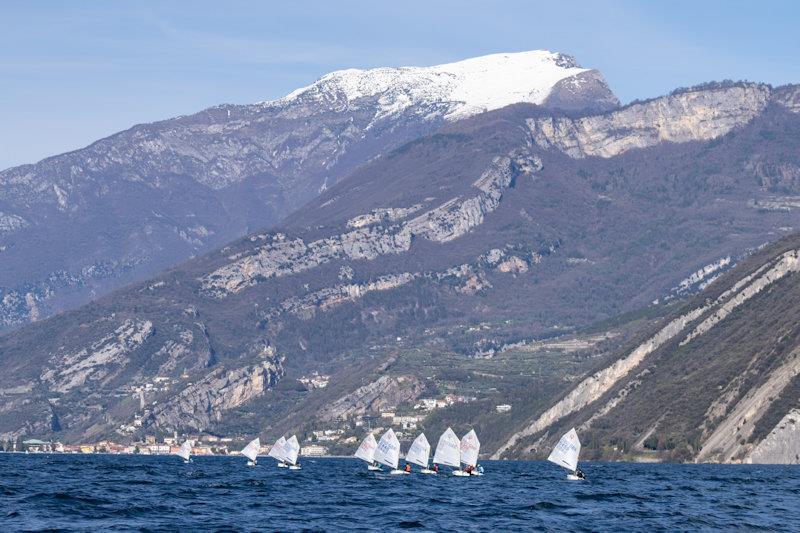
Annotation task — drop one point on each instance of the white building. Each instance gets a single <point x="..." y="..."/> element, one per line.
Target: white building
<point x="313" y="450"/>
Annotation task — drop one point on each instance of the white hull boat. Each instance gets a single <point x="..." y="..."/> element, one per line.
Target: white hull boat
<point x="460" y="473"/>
<point x="399" y="472"/>
<point x="374" y="468"/>
<point x="427" y="471"/>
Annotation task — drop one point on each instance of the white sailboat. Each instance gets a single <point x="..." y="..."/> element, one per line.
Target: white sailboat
<point x="291" y="449"/>
<point x="470" y="447"/>
<point x="566" y="453"/>
<point x="251" y="451"/>
<point x="418" y="453"/>
<point x="448" y="451"/>
<point x="276" y="452"/>
<point x="366" y="452"/>
<point x="388" y="452"/>
<point x="185" y="451"/>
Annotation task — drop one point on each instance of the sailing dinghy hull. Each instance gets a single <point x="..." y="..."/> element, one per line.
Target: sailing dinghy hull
<point x="427" y="471"/>
<point x="573" y="477"/>
<point x="398" y="472"/>
<point x="373" y="468"/>
<point x="460" y="473"/>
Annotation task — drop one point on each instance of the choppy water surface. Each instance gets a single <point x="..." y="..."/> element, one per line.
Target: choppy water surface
<point x="213" y="493"/>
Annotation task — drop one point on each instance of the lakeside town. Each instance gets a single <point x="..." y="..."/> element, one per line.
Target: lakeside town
<point x="339" y="438"/>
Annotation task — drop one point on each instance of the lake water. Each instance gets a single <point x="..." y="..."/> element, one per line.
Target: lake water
<point x="102" y="492"/>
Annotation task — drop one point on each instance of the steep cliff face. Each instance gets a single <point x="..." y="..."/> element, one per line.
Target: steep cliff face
<point x="444" y="223"/>
<point x="697" y="114"/>
<point x="384" y="394"/>
<point x="200" y="405"/>
<point x="75" y="226"/>
<point x="782" y="445"/>
<point x="718" y="383"/>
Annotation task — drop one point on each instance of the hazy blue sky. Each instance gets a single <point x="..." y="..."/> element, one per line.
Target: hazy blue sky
<point x="73" y="72"/>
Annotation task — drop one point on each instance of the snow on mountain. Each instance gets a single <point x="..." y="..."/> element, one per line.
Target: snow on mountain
<point x="464" y="88"/>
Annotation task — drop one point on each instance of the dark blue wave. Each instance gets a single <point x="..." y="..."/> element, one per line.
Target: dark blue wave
<point x="122" y="493"/>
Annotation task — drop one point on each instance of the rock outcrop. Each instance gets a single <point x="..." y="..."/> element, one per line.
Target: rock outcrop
<point x="585" y="92"/>
<point x="198" y="406"/>
<point x="782" y="445"/>
<point x="384" y="394"/>
<point x="450" y="220"/>
<point x="698" y="114"/>
<point x="100" y="361"/>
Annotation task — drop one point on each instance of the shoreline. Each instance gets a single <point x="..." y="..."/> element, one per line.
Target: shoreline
<point x="632" y="461"/>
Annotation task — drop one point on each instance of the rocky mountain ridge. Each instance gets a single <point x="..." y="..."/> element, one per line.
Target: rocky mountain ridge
<point x="480" y="223"/>
<point x="77" y="225"/>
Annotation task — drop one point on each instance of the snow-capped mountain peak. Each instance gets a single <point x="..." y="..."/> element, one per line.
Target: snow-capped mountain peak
<point x="458" y="90"/>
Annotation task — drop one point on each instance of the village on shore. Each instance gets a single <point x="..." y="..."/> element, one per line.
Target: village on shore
<point x="318" y="442"/>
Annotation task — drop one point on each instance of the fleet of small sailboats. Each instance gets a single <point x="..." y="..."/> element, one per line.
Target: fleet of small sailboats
<point x="450" y="451"/>
<point x="566" y="453"/>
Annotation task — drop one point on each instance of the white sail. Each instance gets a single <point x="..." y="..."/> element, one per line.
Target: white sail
<point x="291" y="449"/>
<point x="251" y="450"/>
<point x="277" y="449"/>
<point x="470" y="446"/>
<point x="388" y="450"/>
<point x="366" y="451"/>
<point x="419" y="451"/>
<point x="566" y="452"/>
<point x="186" y="450"/>
<point x="448" y="450"/>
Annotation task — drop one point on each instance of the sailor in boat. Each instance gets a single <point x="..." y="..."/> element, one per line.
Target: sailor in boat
<point x="578" y="473"/>
<point x="436" y="468"/>
<point x="408" y="468"/>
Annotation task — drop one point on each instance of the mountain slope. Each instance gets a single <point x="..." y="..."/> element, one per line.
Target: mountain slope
<point x="719" y="380"/>
<point x="458" y="243"/>
<point x="75" y="226"/>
